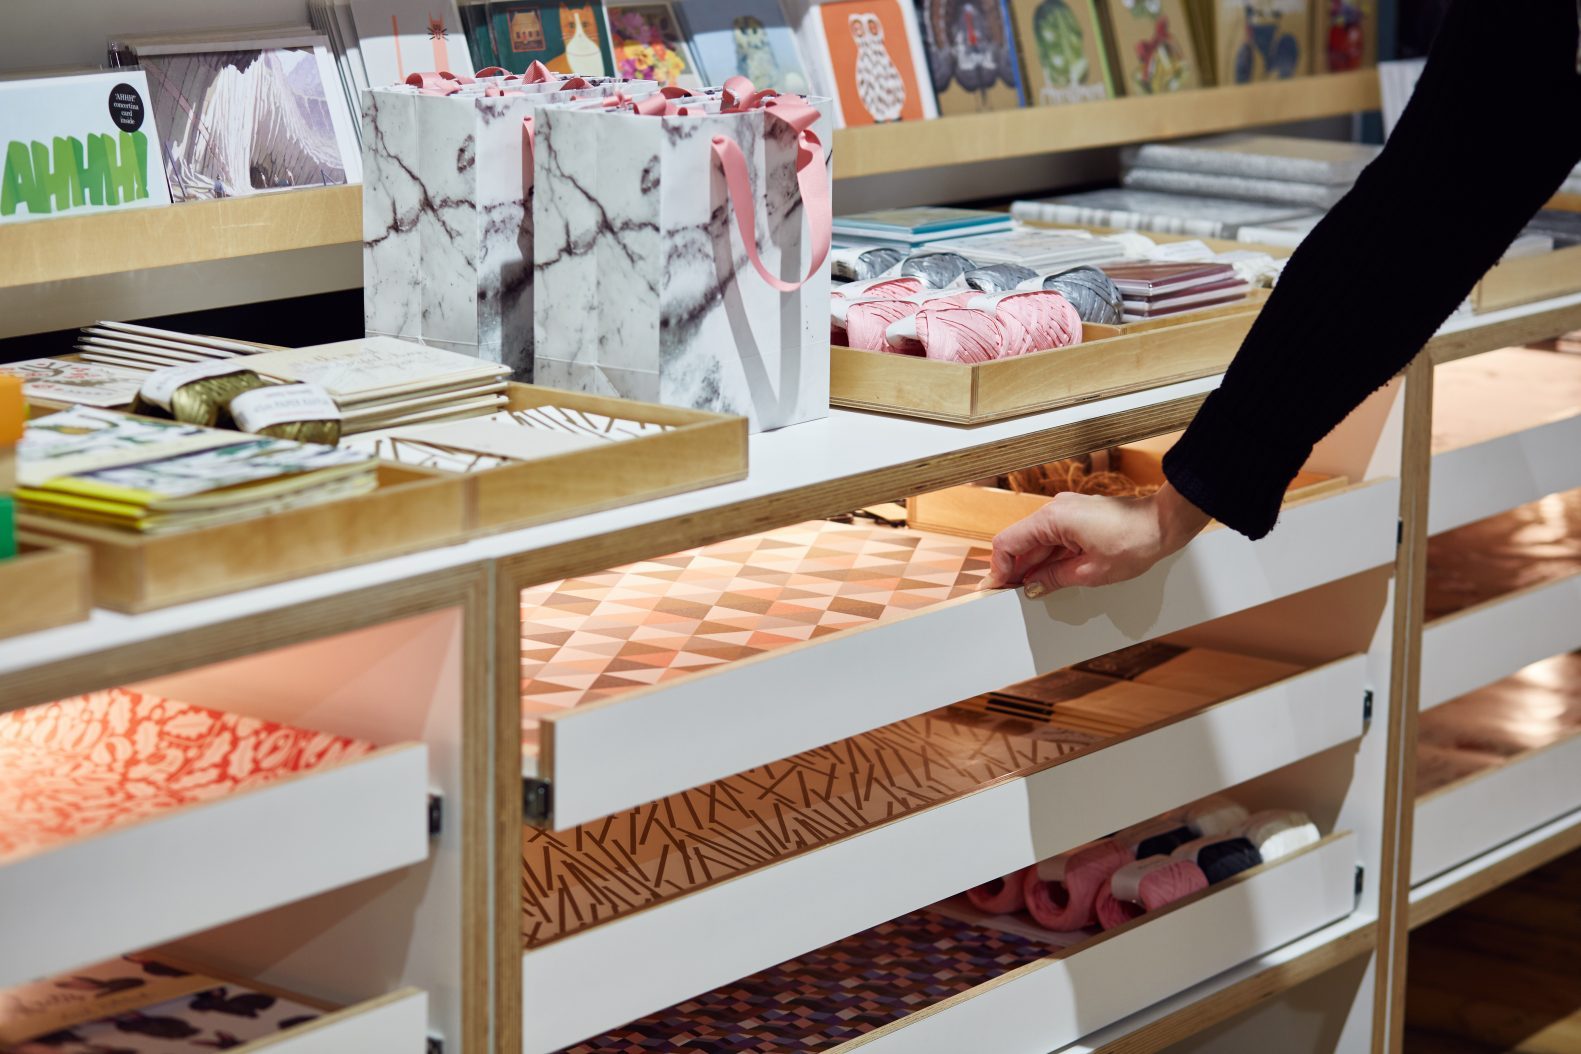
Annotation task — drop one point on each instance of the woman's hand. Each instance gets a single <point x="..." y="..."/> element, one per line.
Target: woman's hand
<point x="1081" y="540"/>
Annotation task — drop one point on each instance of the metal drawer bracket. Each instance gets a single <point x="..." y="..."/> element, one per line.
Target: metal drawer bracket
<point x="435" y="1045"/>
<point x="436" y="815"/>
<point x="1361" y="882"/>
<point x="1366" y="708"/>
<point x="537" y="800"/>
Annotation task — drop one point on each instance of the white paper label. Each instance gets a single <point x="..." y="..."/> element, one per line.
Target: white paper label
<point x="162" y="385"/>
<point x="265" y="407"/>
<point x="1126" y="885"/>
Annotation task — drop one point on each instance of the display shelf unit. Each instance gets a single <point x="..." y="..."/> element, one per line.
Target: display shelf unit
<point x="916" y="145"/>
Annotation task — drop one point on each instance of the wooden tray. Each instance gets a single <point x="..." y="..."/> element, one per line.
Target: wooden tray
<point x="699" y="450"/>
<point x="1529" y="278"/>
<point x="45" y="585"/>
<point x="1112" y="360"/>
<point x="410" y="510"/>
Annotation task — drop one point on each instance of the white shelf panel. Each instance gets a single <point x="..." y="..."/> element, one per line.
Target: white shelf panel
<point x="1000" y="829"/>
<point x="1483" y="644"/>
<point x="193" y="868"/>
<point x="1055" y="1002"/>
<point x="1462" y="821"/>
<point x="1558" y="829"/>
<point x="395" y="1024"/>
<point x="1484" y="479"/>
<point x="645" y="745"/>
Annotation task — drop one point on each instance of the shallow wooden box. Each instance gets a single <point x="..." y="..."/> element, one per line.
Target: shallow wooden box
<point x="700" y="450"/>
<point x="1110" y="361"/>
<point x="45" y="585"/>
<point x="1528" y="278"/>
<point x="410" y="510"/>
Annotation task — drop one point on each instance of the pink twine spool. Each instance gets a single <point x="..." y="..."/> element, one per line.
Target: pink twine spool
<point x="1048" y="318"/>
<point x="1001" y="896"/>
<point x="965" y="335"/>
<point x="866" y="322"/>
<point x="1144" y="886"/>
<point x="891" y="287"/>
<point x="1061" y="893"/>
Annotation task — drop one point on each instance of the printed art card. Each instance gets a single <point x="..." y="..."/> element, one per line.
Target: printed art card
<point x="972" y="55"/>
<point x="647" y="44"/>
<point x="1152" y="41"/>
<point x="78" y="144"/>
<point x="81" y="383"/>
<point x="253" y="119"/>
<point x="1345" y="36"/>
<point x="875" y="58"/>
<point x="1263" y="40"/>
<point x="746" y="38"/>
<point x="402" y="37"/>
<point x="1063" y="51"/>
<point x="569" y="38"/>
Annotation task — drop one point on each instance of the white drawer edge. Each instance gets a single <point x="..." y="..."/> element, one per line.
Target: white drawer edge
<point x="611" y="756"/>
<point x="1473" y="648"/>
<point x="210" y="863"/>
<point x="764" y="917"/>
<point x="392" y="1024"/>
<point x="1483" y="479"/>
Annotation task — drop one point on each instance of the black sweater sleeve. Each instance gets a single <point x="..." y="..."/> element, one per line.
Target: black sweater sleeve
<point x="1491" y="132"/>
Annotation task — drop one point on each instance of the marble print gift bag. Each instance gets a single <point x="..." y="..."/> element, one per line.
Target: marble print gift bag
<point x="447" y="228"/>
<point x="681" y="252"/>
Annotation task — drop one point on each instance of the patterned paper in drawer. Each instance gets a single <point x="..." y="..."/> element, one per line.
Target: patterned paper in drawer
<point x="590" y="638"/>
<point x="84" y="765"/>
<point x="837" y="993"/>
<point x="612" y="866"/>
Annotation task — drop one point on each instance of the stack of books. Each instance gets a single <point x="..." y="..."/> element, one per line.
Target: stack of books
<point x="1042" y="250"/>
<point x="1152" y="290"/>
<point x="135" y="473"/>
<point x="382" y="382"/>
<point x="916" y="228"/>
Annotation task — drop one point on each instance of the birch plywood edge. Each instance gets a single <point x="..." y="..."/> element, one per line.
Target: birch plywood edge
<point x="910" y="146"/>
<point x="47" y="584"/>
<point x="68" y="247"/>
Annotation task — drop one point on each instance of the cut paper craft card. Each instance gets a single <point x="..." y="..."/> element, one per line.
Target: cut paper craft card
<point x="1152" y="40"/>
<point x="875" y="59"/>
<point x="569" y="38"/>
<point x="401" y="37"/>
<point x="81" y="383"/>
<point x="1262" y="41"/>
<point x="1063" y="51"/>
<point x="79" y="144"/>
<point x="648" y="45"/>
<point x="971" y="48"/>
<point x="1345" y="35"/>
<point x="745" y="38"/>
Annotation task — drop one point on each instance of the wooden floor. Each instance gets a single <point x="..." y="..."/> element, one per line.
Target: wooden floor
<point x="1502" y="973"/>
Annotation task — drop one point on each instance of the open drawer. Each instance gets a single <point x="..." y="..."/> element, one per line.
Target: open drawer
<point x="628" y="696"/>
<point x="930" y="983"/>
<point x="144" y="819"/>
<point x="867" y="817"/>
<point x="117" y="1004"/>
<point x="1506" y="429"/>
<point x="1497" y="763"/>
<point x="1502" y="593"/>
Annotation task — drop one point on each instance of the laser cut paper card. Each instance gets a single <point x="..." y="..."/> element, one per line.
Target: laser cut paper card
<point x="80" y="144"/>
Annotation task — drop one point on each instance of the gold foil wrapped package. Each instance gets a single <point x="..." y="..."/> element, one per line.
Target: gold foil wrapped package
<point x="196" y="393"/>
<point x="303" y="412"/>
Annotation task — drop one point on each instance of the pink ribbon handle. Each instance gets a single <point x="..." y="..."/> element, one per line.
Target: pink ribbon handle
<point x="811" y="178"/>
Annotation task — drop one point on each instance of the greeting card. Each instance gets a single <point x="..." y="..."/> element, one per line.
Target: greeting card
<point x="400" y="37"/>
<point x="972" y="55"/>
<point x="874" y="54"/>
<point x="1152" y="41"/>
<point x="746" y="38"/>
<point x="1261" y="40"/>
<point x="568" y="38"/>
<point x="648" y="44"/>
<point x="1063" y="51"/>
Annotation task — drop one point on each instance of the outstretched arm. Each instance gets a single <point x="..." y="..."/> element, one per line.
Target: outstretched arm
<point x="1493" y="128"/>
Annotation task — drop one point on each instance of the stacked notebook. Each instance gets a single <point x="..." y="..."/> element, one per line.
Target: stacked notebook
<point x="382" y="382"/>
<point x="1153" y="290"/>
<point x="144" y="348"/>
<point x="913" y="228"/>
<point x="1039" y="249"/>
<point x="135" y="473"/>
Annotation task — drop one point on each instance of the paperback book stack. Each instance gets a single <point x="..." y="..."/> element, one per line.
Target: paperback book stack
<point x="381" y="382"/>
<point x="1154" y="290"/>
<point x="135" y="473"/>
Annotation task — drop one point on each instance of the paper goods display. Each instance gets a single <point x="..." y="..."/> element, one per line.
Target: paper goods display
<point x="681" y="255"/>
<point x="80" y="383"/>
<point x="447" y="219"/>
<point x="79" y="144"/>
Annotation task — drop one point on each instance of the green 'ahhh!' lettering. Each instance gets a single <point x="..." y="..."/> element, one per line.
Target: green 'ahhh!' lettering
<point x="106" y="170"/>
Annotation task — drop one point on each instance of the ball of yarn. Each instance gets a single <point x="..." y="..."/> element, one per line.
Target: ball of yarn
<point x="866" y="323"/>
<point x="887" y="287"/>
<point x="1090" y="291"/>
<point x="966" y="335"/>
<point x="999" y="278"/>
<point x="937" y="270"/>
<point x="1048" y="317"/>
<point x="875" y="262"/>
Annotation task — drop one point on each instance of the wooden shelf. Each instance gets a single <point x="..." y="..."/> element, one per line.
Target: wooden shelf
<point x="71" y="247"/>
<point x="911" y="146"/>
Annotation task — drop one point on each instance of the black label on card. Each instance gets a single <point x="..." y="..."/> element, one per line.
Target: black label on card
<point x="126" y="108"/>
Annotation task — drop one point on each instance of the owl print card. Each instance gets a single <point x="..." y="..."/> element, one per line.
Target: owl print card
<point x="648" y="44"/>
<point x="972" y="55"/>
<point x="1063" y="51"/>
<point x="875" y="60"/>
<point x="569" y="38"/>
<point x="745" y="38"/>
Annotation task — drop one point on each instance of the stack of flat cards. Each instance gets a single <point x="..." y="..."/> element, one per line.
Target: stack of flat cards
<point x="1039" y="249"/>
<point x="1152" y="290"/>
<point x="148" y="349"/>
<point x="504" y="438"/>
<point x="382" y="382"/>
<point x="76" y="383"/>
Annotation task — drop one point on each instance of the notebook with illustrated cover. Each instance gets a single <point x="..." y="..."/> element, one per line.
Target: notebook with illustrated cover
<point x="79" y="383"/>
